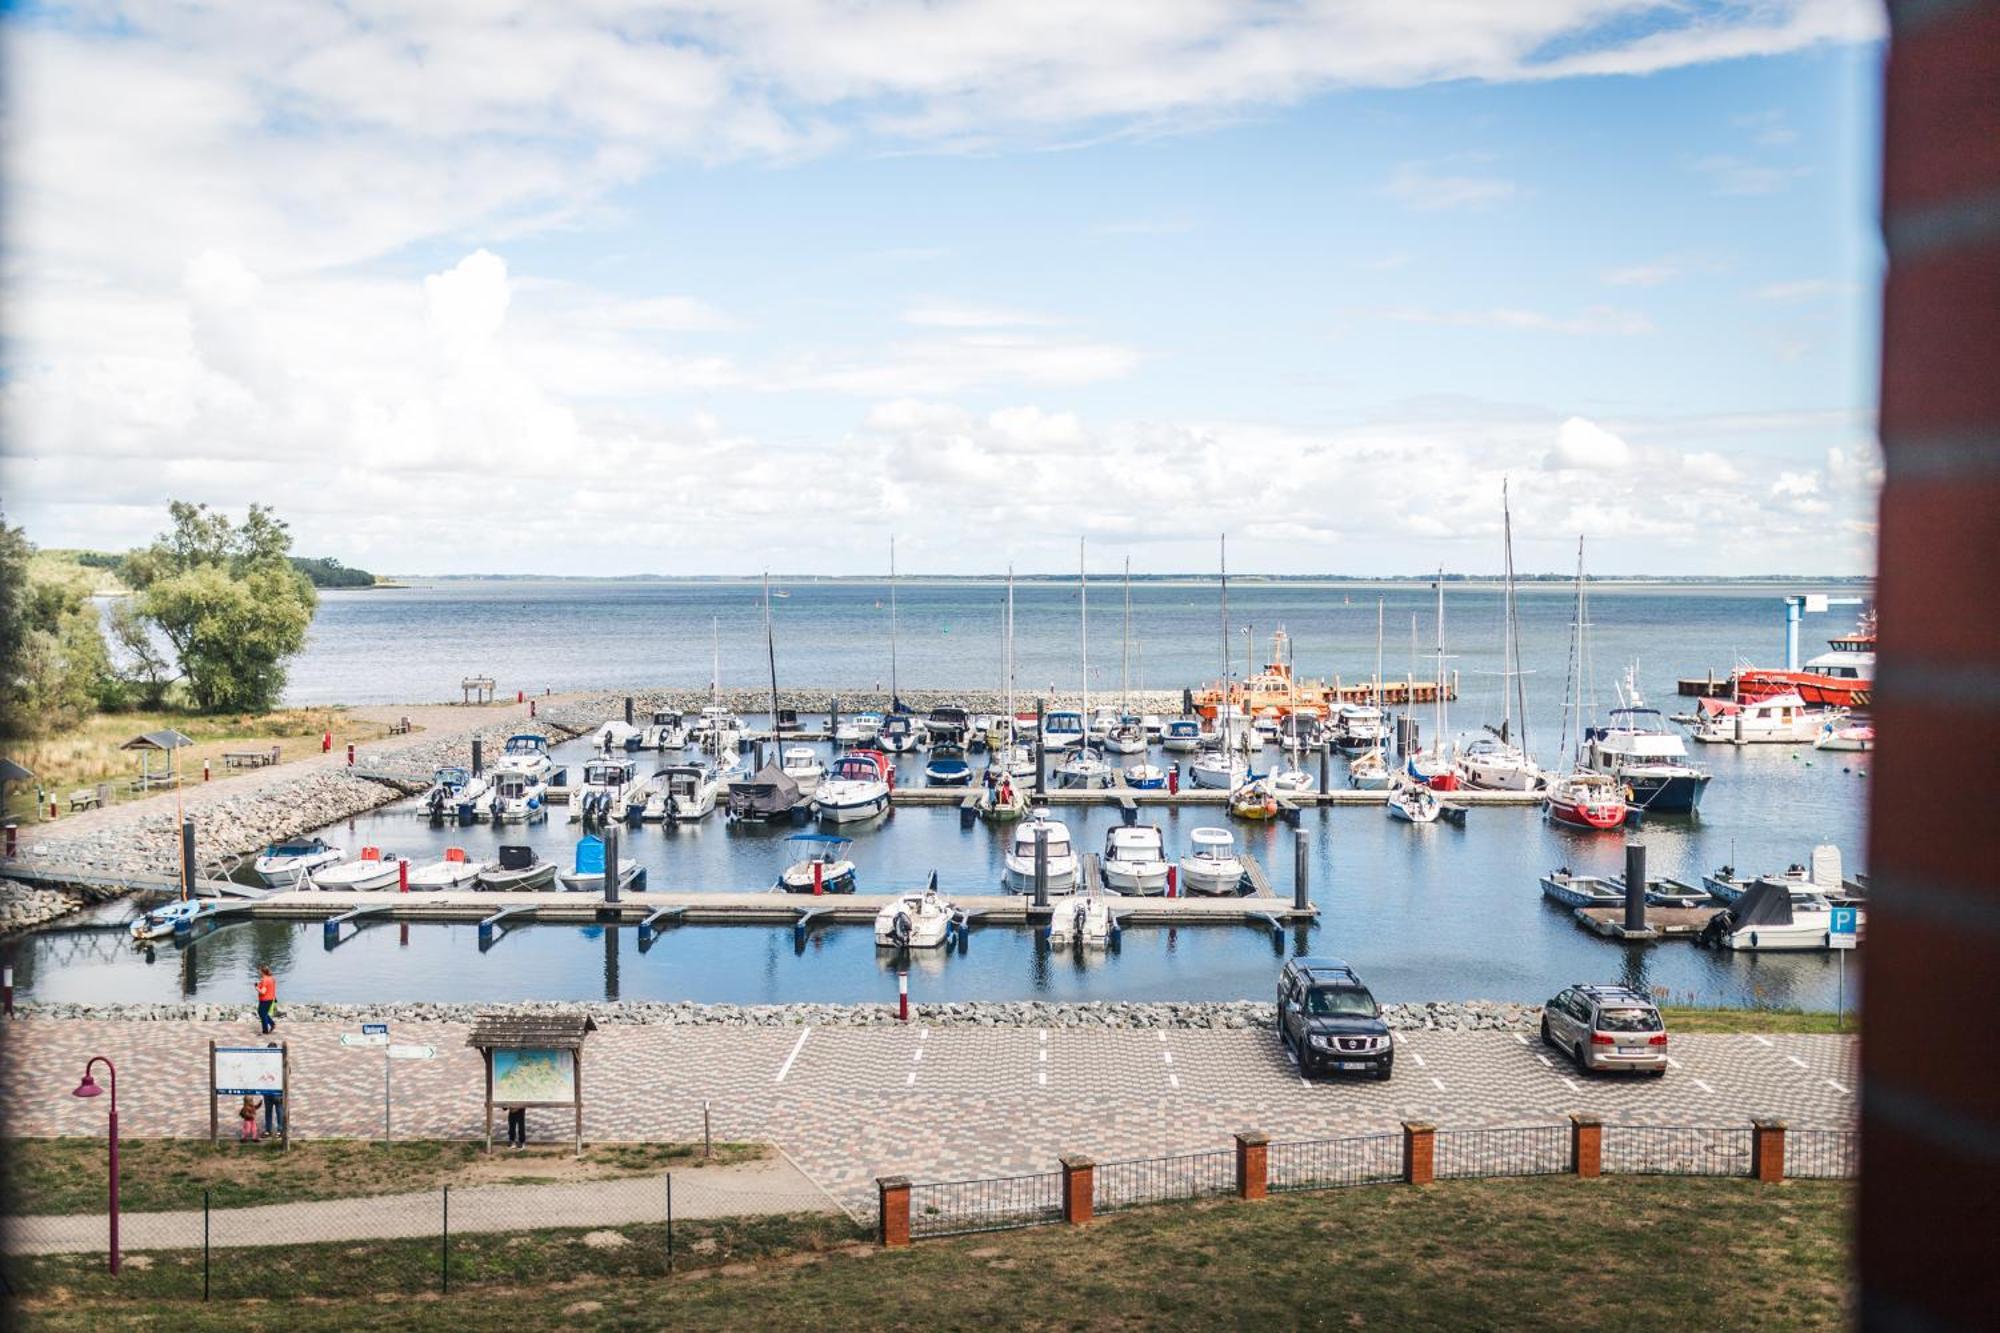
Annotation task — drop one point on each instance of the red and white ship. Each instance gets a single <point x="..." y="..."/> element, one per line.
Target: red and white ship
<point x="1586" y="800"/>
<point x="1843" y="678"/>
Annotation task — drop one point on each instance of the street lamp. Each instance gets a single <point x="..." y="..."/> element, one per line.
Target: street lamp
<point x="89" y="1088"/>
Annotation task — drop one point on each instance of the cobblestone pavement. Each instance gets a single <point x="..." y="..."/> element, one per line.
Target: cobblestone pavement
<point x="850" y="1104"/>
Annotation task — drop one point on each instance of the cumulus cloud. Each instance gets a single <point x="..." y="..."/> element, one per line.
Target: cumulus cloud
<point x="1587" y="446"/>
<point x="1710" y="469"/>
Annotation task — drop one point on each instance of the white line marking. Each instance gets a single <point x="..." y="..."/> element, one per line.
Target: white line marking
<point x="786" y="1067"/>
<point x="1795" y="1060"/>
<point x="923" y="1034"/>
<point x="1161" y="1035"/>
<point x="1043" y="1036"/>
<point x="911" y="1081"/>
<point x="1174" y="1079"/>
<point x="1042" y="1077"/>
<point x="1419" y="1059"/>
<point x="1518" y="1037"/>
<point x="1439" y="1086"/>
<point x="1567" y="1084"/>
<point x="1844" y="1091"/>
<point x="1548" y="1063"/>
<point x="1704" y="1087"/>
<point x="917" y="1055"/>
<point x="1168" y="1056"/>
<point x="1766" y="1040"/>
<point x="1675" y="1063"/>
<point x="1041" y="1057"/>
<point x="1402" y="1040"/>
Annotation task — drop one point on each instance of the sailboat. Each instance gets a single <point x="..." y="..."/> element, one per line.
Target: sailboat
<point x="718" y="731"/>
<point x="1496" y="762"/>
<point x="1433" y="765"/>
<point x="1221" y="767"/>
<point x="1126" y="734"/>
<point x="1086" y="768"/>
<point x="1002" y="797"/>
<point x="1582" y="798"/>
<point x="1369" y="769"/>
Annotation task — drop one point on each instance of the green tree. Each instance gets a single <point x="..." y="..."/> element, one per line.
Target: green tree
<point x="54" y="667"/>
<point x="228" y="599"/>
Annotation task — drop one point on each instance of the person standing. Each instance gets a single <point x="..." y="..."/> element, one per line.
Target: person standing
<point x="246" y="1115"/>
<point x="267" y="999"/>
<point x="517" y="1126"/>
<point x="274" y="1106"/>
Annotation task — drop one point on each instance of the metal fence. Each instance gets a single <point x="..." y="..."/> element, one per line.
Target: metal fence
<point x="1677" y="1150"/>
<point x="1317" y="1164"/>
<point x="1528" y="1150"/>
<point x="1143" y="1180"/>
<point x="956" y="1207"/>
<point x="1822" y="1154"/>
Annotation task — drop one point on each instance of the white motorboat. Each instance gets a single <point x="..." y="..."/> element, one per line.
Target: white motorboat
<point x="586" y="872"/>
<point x="1125" y="736"/>
<point x="1414" y="803"/>
<point x="946" y="766"/>
<point x="518" y="796"/>
<point x="917" y="919"/>
<point x="644" y="800"/>
<point x="455" y="871"/>
<point x="858" y="788"/>
<point x="1081" y="922"/>
<point x="1236" y="730"/>
<point x="1145" y="777"/>
<point x="819" y="864"/>
<point x="900" y="733"/>
<point x="1647" y="756"/>
<point x="1102" y="720"/>
<point x="164" y="921"/>
<point x="1782" y="719"/>
<point x="950" y="724"/>
<point x="518" y="870"/>
<point x="442" y="797"/>
<point x="475" y="800"/>
<point x="1135" y="859"/>
<point x="1001" y="799"/>
<point x="1064" y="870"/>
<point x="1153" y="724"/>
<point x="1773" y="916"/>
<point x="802" y="765"/>
<point x="1016" y="761"/>
<point x="375" y="869"/>
<point x="1062" y="729"/>
<point x="1370" y="771"/>
<point x="1491" y="764"/>
<point x="1267" y="726"/>
<point x="690" y="793"/>
<point x="616" y="735"/>
<point x="1212" y="867"/>
<point x="863" y="728"/>
<point x="1084" y="770"/>
<point x="602" y="792"/>
<point x="1291" y="781"/>
<point x="1219" y="770"/>
<point x="1182" y="735"/>
<point x="1839" y="733"/>
<point x="1359" y="727"/>
<point x="667" y="731"/>
<point x="284" y="864"/>
<point x="1300" y="733"/>
<point x="527" y="753"/>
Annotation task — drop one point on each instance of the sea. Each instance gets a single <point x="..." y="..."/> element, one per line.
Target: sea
<point x="1424" y="913"/>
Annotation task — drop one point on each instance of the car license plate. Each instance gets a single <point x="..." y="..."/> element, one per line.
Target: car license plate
<point x="1352" y="1064"/>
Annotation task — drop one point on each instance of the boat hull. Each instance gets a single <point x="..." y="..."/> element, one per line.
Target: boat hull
<point x="1666" y="793"/>
<point x="519" y="881"/>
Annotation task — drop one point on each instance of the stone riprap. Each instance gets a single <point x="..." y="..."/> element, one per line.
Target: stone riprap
<point x="23" y="906"/>
<point x="1435" y="1016"/>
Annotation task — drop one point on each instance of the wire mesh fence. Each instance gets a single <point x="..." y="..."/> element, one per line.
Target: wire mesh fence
<point x="1677" y="1150"/>
<point x="1316" y="1164"/>
<point x="1822" y="1154"/>
<point x="1526" y="1150"/>
<point x="1143" y="1180"/>
<point x="956" y="1207"/>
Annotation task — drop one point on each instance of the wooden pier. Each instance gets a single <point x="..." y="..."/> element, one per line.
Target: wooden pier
<point x="1121" y="795"/>
<point x="1708" y="687"/>
<point x="1662" y="923"/>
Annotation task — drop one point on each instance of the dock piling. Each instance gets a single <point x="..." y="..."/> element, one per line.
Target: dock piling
<point x="833" y="721"/>
<point x="1635" y="886"/>
<point x="188" y="877"/>
<point x="1041" y="867"/>
<point x="1300" y="870"/>
<point x="1041" y="756"/>
<point x="628" y="710"/>
<point x="610" y="863"/>
<point x="1325" y="768"/>
<point x="477" y="755"/>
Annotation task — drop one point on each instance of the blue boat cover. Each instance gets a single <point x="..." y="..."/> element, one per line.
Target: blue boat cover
<point x="590" y="855"/>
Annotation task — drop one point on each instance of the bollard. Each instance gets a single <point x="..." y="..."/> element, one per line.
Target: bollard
<point x="1252" y="1165"/>
<point x="403" y="875"/>
<point x="1174" y="779"/>
<point x="1325" y="768"/>
<point x="902" y="995"/>
<point x="350" y="754"/>
<point x="893" y="1211"/>
<point x="188" y="878"/>
<point x="477" y="749"/>
<point x="628" y="710"/>
<point x="1173" y="881"/>
<point x="520" y="696"/>
<point x="7" y="991"/>
<point x="1042" y="867"/>
<point x="52" y="809"/>
<point x="1041" y="754"/>
<point x="611" y="863"/>
<point x="326" y="742"/>
<point x="13" y="841"/>
<point x="204" y="770"/>
<point x="819" y="878"/>
<point x="1300" y="871"/>
<point x="1635" y="886"/>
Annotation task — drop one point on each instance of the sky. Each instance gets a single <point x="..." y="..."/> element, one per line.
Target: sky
<point x="466" y="286"/>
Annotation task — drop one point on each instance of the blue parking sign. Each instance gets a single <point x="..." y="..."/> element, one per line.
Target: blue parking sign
<point x="1842" y="928"/>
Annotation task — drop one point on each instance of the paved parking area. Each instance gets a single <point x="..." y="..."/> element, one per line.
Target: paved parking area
<point x="849" y="1104"/>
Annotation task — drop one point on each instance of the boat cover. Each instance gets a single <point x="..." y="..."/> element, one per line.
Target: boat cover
<point x="516" y="858"/>
<point x="768" y="791"/>
<point x="1763" y="904"/>
<point x="590" y="855"/>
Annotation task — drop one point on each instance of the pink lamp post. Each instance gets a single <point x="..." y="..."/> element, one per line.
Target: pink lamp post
<point x="89" y="1088"/>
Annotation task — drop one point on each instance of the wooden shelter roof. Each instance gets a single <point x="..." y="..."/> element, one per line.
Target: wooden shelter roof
<point x="530" y="1031"/>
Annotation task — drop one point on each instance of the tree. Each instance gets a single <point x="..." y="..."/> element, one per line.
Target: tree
<point x="54" y="667"/>
<point x="229" y="601"/>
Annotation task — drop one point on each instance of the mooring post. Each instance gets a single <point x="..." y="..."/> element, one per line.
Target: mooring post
<point x="1325" y="768"/>
<point x="1635" y="886"/>
<point x="611" y="863"/>
<point x="756" y="756"/>
<point x="1300" y="884"/>
<point x="1041" y="866"/>
<point x="628" y="710"/>
<point x="477" y="755"/>
<point x="187" y="858"/>
<point x="1041" y="765"/>
<point x="833" y="718"/>
<point x="902" y="995"/>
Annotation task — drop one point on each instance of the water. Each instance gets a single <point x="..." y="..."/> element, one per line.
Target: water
<point x="1424" y="913"/>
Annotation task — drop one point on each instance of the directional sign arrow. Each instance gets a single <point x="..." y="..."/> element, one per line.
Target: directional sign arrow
<point x="364" y="1039"/>
<point x="401" y="1052"/>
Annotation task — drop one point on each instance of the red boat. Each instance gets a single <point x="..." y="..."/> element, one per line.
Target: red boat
<point x="1587" y="801"/>
<point x="1843" y="678"/>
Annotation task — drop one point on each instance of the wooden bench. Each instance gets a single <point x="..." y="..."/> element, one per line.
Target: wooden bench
<point x="401" y="727"/>
<point x="156" y="781"/>
<point x="84" y="798"/>
<point x="249" y="758"/>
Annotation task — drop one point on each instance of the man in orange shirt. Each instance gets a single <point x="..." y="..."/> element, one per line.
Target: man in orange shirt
<point x="267" y="996"/>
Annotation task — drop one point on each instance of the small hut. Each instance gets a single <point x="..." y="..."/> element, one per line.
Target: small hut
<point x="150" y="744"/>
<point x="532" y="1060"/>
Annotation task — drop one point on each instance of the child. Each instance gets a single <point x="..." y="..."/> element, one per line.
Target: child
<point x="247" y="1115"/>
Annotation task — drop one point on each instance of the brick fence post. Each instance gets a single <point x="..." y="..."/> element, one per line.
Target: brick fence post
<point x="1419" y="1151"/>
<point x="1252" y="1164"/>
<point x="1767" y="1150"/>
<point x="894" y="1193"/>
<point x="1586" y="1145"/>
<point x="1078" y="1188"/>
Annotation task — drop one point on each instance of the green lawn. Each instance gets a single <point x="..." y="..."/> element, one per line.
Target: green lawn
<point x="1755" y="1020"/>
<point x="1638" y="1253"/>
<point x="44" y="1176"/>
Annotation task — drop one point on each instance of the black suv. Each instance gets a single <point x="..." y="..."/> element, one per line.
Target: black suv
<point x="1330" y="1020"/>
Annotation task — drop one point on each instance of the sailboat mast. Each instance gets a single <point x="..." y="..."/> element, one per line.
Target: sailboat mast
<point x="771" y="651"/>
<point x="1223" y="707"/>
<point x="1437" y="742"/>
<point x="1125" y="653"/>
<point x="1083" y="616"/>
<point x="1573" y="687"/>
<point x="1377" y="700"/>
<point x="1010" y="653"/>
<point x="892" y="624"/>
<point x="1511" y="635"/>
<point x="715" y="672"/>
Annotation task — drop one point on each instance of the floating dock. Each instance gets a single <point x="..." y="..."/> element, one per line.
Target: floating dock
<point x="1662" y="923"/>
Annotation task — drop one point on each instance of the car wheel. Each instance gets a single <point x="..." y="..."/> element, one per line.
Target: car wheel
<point x="1582" y="1062"/>
<point x="1659" y="1073"/>
<point x="1547" y="1040"/>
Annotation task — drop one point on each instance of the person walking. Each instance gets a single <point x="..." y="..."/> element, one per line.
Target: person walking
<point x="274" y="1106"/>
<point x="267" y="999"/>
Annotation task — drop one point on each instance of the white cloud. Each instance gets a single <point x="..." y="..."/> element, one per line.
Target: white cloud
<point x="1805" y="289"/>
<point x="1728" y="175"/>
<point x="1418" y="188"/>
<point x="1710" y="469"/>
<point x="946" y="315"/>
<point x="1796" y="484"/>
<point x="1587" y="446"/>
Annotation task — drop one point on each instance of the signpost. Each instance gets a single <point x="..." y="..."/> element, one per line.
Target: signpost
<point x="375" y="1034"/>
<point x="247" y="1071"/>
<point x="1842" y="935"/>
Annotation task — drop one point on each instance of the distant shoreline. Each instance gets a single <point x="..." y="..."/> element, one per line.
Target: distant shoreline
<point x="782" y="584"/>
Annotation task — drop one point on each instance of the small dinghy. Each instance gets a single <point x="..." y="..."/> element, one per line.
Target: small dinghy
<point x="1254" y="800"/>
<point x="456" y="871"/>
<point x="1580" y="890"/>
<point x="284" y="864"/>
<point x="1146" y="777"/>
<point x="1001" y="800"/>
<point x="587" y="871"/>
<point x="818" y="864"/>
<point x="1665" y="891"/>
<point x="518" y="869"/>
<point x="375" y="869"/>
<point x="1414" y="803"/>
<point x="918" y="919"/>
<point x="1083" y="923"/>
<point x="164" y="921"/>
<point x="1844" y="734"/>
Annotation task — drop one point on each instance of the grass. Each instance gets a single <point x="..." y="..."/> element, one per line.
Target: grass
<point x="1655" y="1253"/>
<point x="88" y="753"/>
<point x="47" y="1176"/>
<point x="1697" y="1019"/>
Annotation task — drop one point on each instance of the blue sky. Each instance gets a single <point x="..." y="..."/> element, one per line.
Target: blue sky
<point x="705" y="300"/>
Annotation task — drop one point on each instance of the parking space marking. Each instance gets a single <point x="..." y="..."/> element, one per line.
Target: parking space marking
<point x="1174" y="1079"/>
<point x="1795" y="1060"/>
<point x="1436" y="1084"/>
<point x="1042" y="1056"/>
<point x="1546" y="1062"/>
<point x="1043" y="1036"/>
<point x="1168" y="1056"/>
<point x="1042" y="1077"/>
<point x="1518" y="1037"/>
<point x="1675" y="1063"/>
<point x="1419" y="1059"/>
<point x="1839" y="1088"/>
<point x="1765" y="1040"/>
<point x="1704" y="1087"/>
<point x="917" y="1055"/>
<point x="797" y="1046"/>
<point x="1567" y="1084"/>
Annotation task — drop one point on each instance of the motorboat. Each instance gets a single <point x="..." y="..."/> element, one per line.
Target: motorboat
<point x="858" y="788"/>
<point x="165" y="920"/>
<point x="527" y="752"/>
<point x="1135" y="859"/>
<point x="899" y="733"/>
<point x="1062" y="729"/>
<point x="865" y="728"/>
<point x="1771" y="916"/>
<point x="1084" y="770"/>
<point x="1580" y="890"/>
<point x="1016" y="761"/>
<point x="1665" y="891"/>
<point x="1726" y="887"/>
<point x="948" y="724"/>
<point x="474" y="803"/>
<point x="785" y="721"/>
<point x="667" y="731"/>
<point x="1182" y="735"/>
<point x="1781" y="719"/>
<point x="690" y="793"/>
<point x="644" y="800"/>
<point x="616" y="735"/>
<point x="1082" y="922"/>
<point x="1359" y="727"/>
<point x="946" y="766"/>
<point x="1145" y="777"/>
<point x="1841" y="733"/>
<point x="446" y="785"/>
<point x="767" y="795"/>
<point x="1370" y="771"/>
<point x="1586" y="800"/>
<point x="519" y="869"/>
<point x="1646" y="755"/>
<point x="1153" y="724"/>
<point x="284" y="864"/>
<point x="1001" y="799"/>
<point x="1414" y="803"/>
<point x="1219" y="770"/>
<point x="1064" y="870"/>
<point x="1254" y="800"/>
<point x="374" y="869"/>
<point x="1102" y="720"/>
<point x="1823" y="876"/>
<point x="1235" y="730"/>
<point x="818" y="863"/>
<point x="1291" y="781"/>
<point x="1492" y="764"/>
<point x="999" y="731"/>
<point x="518" y="796"/>
<point x="455" y="871"/>
<point x="851" y="731"/>
<point x="1212" y="866"/>
<point x="916" y="919"/>
<point x="802" y="765"/>
<point x="602" y="792"/>
<point x="1267" y="726"/>
<point x="1300" y="733"/>
<point x="1842" y="678"/>
<point x="1125" y="736"/>
<point x="586" y="872"/>
<point x="1273" y="687"/>
<point x="718" y="732"/>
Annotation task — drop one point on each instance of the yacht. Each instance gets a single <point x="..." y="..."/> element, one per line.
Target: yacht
<point x="1586" y="800"/>
<point x="1082" y="922"/>
<point x="518" y="870"/>
<point x="1085" y="770"/>
<point x="456" y="871"/>
<point x="1135" y="859"/>
<point x="1640" y="750"/>
<point x="718" y="732"/>
<point x="802" y="765"/>
<point x="763" y="797"/>
<point x="1774" y="916"/>
<point x="1582" y="798"/>
<point x="862" y="729"/>
<point x="1492" y="764"/>
<point x="819" y="864"/>
<point x="646" y="799"/>
<point x="528" y="753"/>
<point x="1064" y="870"/>
<point x="616" y="735"/>
<point x="1369" y="771"/>
<point x="948" y="724"/>
<point x="1016" y="761"/>
<point x="1182" y="735"/>
<point x="602" y="793"/>
<point x="1414" y="803"/>
<point x="518" y="796"/>
<point x="915" y="919"/>
<point x="1062" y="729"/>
<point x="376" y="869"/>
<point x="446" y="785"/>
<point x="858" y="788"/>
<point x="1212" y="866"/>
<point x="284" y="864"/>
<point x="1781" y="719"/>
<point x="689" y="794"/>
<point x="667" y="731"/>
<point x="1125" y="736"/>
<point x="946" y="766"/>
<point x="899" y="733"/>
<point x="1219" y="770"/>
<point x="1358" y="727"/>
<point x="1501" y="761"/>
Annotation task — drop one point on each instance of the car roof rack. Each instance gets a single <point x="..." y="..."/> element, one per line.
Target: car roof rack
<point x="1607" y="990"/>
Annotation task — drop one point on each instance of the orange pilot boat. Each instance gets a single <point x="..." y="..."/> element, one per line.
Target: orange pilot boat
<point x="1843" y="678"/>
<point x="1274" y="689"/>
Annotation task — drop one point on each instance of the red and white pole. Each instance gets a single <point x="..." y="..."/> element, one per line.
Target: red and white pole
<point x="902" y="995"/>
<point x="204" y="770"/>
<point x="403" y="875"/>
<point x="819" y="878"/>
<point x="350" y="754"/>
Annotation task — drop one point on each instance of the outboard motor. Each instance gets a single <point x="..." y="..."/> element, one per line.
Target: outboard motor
<point x="899" y="930"/>
<point x="1716" y="929"/>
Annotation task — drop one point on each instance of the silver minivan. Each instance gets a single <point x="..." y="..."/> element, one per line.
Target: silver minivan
<point x="1607" y="1027"/>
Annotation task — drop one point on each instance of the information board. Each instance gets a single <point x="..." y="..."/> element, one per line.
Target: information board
<point x="533" y="1077"/>
<point x="249" y="1071"/>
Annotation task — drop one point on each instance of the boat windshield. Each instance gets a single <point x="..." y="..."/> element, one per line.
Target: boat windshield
<point x="1340" y="1002"/>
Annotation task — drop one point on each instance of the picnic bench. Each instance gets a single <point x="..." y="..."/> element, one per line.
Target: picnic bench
<point x="249" y="758"/>
<point x="83" y="798"/>
<point x="400" y="727"/>
<point x="153" y="781"/>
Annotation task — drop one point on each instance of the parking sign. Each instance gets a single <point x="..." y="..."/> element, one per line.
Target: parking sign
<point x="1840" y="934"/>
